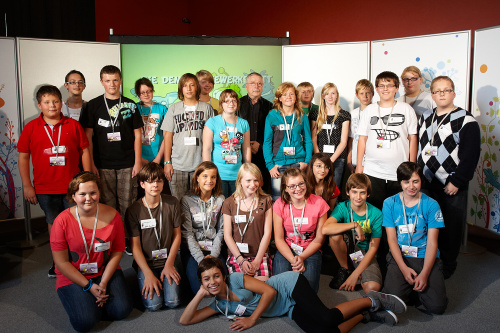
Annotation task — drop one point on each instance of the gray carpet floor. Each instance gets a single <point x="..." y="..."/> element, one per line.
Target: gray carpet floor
<point x="29" y="302"/>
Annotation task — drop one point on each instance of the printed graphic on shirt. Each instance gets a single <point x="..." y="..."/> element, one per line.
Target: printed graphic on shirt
<point x="150" y="127"/>
<point x="126" y="109"/>
<point x="231" y="145"/>
<point x="189" y="121"/>
<point x="396" y="120"/>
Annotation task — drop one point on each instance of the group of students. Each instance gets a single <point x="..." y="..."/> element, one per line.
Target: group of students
<point x="218" y="197"/>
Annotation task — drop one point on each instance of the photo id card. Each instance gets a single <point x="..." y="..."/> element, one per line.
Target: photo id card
<point x="410" y="251"/>
<point x="231" y="159"/>
<point x="205" y="245"/>
<point x="159" y="254"/>
<point x="357" y="256"/>
<point x="243" y="247"/>
<point x="297" y="248"/>
<point x="404" y="229"/>
<point x="383" y="144"/>
<point x="191" y="141"/>
<point x="288" y="151"/>
<point x="432" y="151"/>
<point x="90" y="268"/>
<point x="240" y="310"/>
<point x="57" y="161"/>
<point x="115" y="136"/>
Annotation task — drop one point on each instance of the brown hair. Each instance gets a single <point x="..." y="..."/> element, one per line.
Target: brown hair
<point x="228" y="93"/>
<point x="151" y="171"/>
<point x="48" y="90"/>
<point x="329" y="184"/>
<point x="387" y="76"/>
<point x="209" y="263"/>
<point x="287" y="174"/>
<point x="80" y="178"/>
<point x="143" y="81"/>
<point x="254" y="171"/>
<point x="407" y="169"/>
<point x="110" y="69"/>
<point x="358" y="180"/>
<point x="203" y="166"/>
<point x="182" y="81"/>
<point x="282" y="88"/>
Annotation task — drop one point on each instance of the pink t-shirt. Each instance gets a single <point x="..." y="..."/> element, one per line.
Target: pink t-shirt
<point x="315" y="208"/>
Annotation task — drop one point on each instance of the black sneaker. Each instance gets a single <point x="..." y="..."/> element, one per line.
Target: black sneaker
<point x="384" y="316"/>
<point x="52" y="272"/>
<point x="128" y="250"/>
<point x="340" y="278"/>
<point x="386" y="302"/>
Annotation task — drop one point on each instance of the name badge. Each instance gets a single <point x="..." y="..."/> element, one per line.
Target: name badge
<point x="383" y="144"/>
<point x="59" y="149"/>
<point x="191" y="141"/>
<point x="231" y="159"/>
<point x="115" y="136"/>
<point x="305" y="220"/>
<point x="329" y="149"/>
<point x="403" y="229"/>
<point x="101" y="247"/>
<point x="283" y="127"/>
<point x="57" y="161"/>
<point x="148" y="223"/>
<point x="90" y="268"/>
<point x="240" y="218"/>
<point x="240" y="310"/>
<point x="432" y="151"/>
<point x="198" y="217"/>
<point x="206" y="245"/>
<point x="356" y="257"/>
<point x="103" y="123"/>
<point x="243" y="247"/>
<point x="289" y="151"/>
<point x="410" y="251"/>
<point x="297" y="248"/>
<point x="159" y="254"/>
<point x="327" y="126"/>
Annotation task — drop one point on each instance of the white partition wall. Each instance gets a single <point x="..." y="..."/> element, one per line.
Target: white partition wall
<point x="11" y="190"/>
<point x="439" y="54"/>
<point x="341" y="63"/>
<point x="484" y="190"/>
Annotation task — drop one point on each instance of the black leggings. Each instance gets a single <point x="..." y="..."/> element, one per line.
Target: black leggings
<point x="310" y="313"/>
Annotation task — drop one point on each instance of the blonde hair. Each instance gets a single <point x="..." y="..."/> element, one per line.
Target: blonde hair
<point x="282" y="88"/>
<point x="439" y="78"/>
<point x="364" y="84"/>
<point x="204" y="74"/>
<point x="322" y="113"/>
<point x="254" y="171"/>
<point x="413" y="69"/>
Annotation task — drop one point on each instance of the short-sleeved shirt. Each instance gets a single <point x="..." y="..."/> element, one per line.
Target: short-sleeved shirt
<point x="66" y="235"/>
<point x="255" y="230"/>
<point x="281" y="304"/>
<point x="429" y="217"/>
<point x="112" y="154"/>
<point x="420" y="103"/>
<point x="49" y="179"/>
<point x="372" y="226"/>
<point x="151" y="134"/>
<point x="228" y="140"/>
<point x="171" y="218"/>
<point x="335" y="135"/>
<point x="315" y="208"/>
<point x="353" y="133"/>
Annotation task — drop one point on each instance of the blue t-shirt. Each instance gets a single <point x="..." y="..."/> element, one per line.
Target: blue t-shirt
<point x="429" y="216"/>
<point x="281" y="304"/>
<point x="228" y="140"/>
<point x="152" y="135"/>
<point x="372" y="227"/>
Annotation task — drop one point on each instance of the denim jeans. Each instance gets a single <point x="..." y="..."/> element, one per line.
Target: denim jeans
<point x="312" y="265"/>
<point x="170" y="293"/>
<point x="52" y="205"/>
<point x="82" y="308"/>
<point x="276" y="182"/>
<point x="338" y="171"/>
<point x="228" y="187"/>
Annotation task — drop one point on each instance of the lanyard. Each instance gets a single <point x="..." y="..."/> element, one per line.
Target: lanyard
<point x="296" y="230"/>
<point x="352" y="220"/>
<point x="438" y="125"/>
<point x="110" y="117"/>
<point x="328" y="134"/>
<point x="388" y="119"/>
<point x="187" y="117"/>
<point x="289" y="131"/>
<point x="87" y="250"/>
<point x="234" y="129"/>
<point x="145" y="123"/>
<point x="227" y="305"/>
<point x="151" y="215"/>
<point x="415" y="98"/>
<point x="410" y="234"/>
<point x="204" y="211"/>
<point x="52" y="141"/>
<point x="249" y="218"/>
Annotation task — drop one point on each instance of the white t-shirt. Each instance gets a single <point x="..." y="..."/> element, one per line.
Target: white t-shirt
<point x="353" y="133"/>
<point x="72" y="113"/>
<point x="383" y="162"/>
<point x="420" y="105"/>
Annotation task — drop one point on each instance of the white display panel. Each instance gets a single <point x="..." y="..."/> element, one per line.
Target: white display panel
<point x="484" y="191"/>
<point x="341" y="63"/>
<point x="440" y="54"/>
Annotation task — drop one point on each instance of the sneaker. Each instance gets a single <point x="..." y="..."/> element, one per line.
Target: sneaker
<point x="384" y="316"/>
<point x="52" y="272"/>
<point x="339" y="278"/>
<point x="386" y="302"/>
<point x="128" y="250"/>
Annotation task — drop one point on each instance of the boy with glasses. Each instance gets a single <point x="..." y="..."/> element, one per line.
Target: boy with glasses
<point x="448" y="152"/>
<point x="74" y="82"/>
<point x="418" y="99"/>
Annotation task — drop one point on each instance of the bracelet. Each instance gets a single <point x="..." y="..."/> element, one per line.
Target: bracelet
<point x="88" y="286"/>
<point x="236" y="259"/>
<point x="167" y="162"/>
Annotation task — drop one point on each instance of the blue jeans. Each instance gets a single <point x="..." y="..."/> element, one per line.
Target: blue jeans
<point x="170" y="293"/>
<point x="276" y="182"/>
<point x="82" y="308"/>
<point x="228" y="187"/>
<point x="312" y="265"/>
<point x="338" y="171"/>
<point x="52" y="205"/>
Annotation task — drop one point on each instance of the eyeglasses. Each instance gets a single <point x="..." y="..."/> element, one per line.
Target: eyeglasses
<point x="293" y="187"/>
<point x="144" y="93"/>
<point x="319" y="166"/>
<point x="74" y="83"/>
<point x="231" y="101"/>
<point x="413" y="79"/>
<point x="255" y="84"/>
<point x="157" y="181"/>
<point x="445" y="92"/>
<point x="382" y="86"/>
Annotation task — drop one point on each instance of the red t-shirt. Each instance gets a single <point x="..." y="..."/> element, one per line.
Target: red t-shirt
<point x="66" y="233"/>
<point x="49" y="179"/>
<point x="315" y="208"/>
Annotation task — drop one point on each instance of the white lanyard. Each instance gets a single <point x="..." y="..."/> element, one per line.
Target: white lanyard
<point x="287" y="131"/>
<point x="331" y="127"/>
<point x="295" y="230"/>
<point x="352" y="220"/>
<point x="58" y="139"/>
<point x="110" y="117"/>
<point x="249" y="218"/>
<point x="87" y="250"/>
<point x="410" y="234"/>
<point x="234" y="129"/>
<point x="151" y="215"/>
<point x="438" y="125"/>
<point x="187" y="117"/>
<point x="145" y="123"/>
<point x="227" y="304"/>
<point x="415" y="98"/>
<point x="206" y="220"/>
<point x="388" y="119"/>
